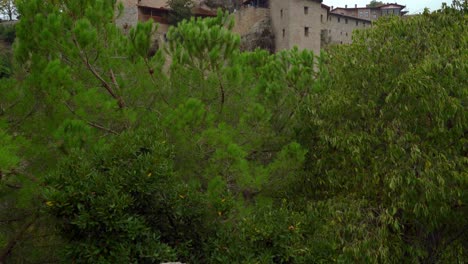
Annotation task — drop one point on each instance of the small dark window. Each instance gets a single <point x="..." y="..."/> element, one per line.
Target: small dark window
<point x="321" y="18"/>
<point x="346" y="21"/>
<point x="281" y="13"/>
<point x="306" y="31"/>
<point x="329" y="31"/>
<point x="341" y="33"/>
<point x="338" y="20"/>
<point x="146" y="11"/>
<point x="306" y="10"/>
<point x="346" y="33"/>
<point x="284" y="32"/>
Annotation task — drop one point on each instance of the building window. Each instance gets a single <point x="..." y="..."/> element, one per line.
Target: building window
<point x="321" y="18"/>
<point x="367" y="13"/>
<point x="338" y="20"/>
<point x="306" y="10"/>
<point x="306" y="31"/>
<point x="284" y="32"/>
<point x="346" y="21"/>
<point x="281" y="13"/>
<point x="146" y="11"/>
<point x="375" y="16"/>
<point x="346" y="33"/>
<point x="341" y="32"/>
<point x="329" y="31"/>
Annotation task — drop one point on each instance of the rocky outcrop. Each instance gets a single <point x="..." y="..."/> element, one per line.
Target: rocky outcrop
<point x="260" y="36"/>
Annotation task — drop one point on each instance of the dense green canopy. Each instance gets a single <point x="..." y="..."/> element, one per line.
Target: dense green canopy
<point x="202" y="153"/>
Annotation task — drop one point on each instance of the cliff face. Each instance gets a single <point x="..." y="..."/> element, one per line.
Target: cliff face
<point x="260" y="36"/>
<point x="255" y="27"/>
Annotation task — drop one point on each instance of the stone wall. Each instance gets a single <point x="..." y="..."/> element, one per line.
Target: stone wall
<point x="304" y="24"/>
<point x="296" y="23"/>
<point x="340" y="28"/>
<point x="280" y="15"/>
<point x="246" y="17"/>
<point x="254" y="26"/>
<point x="129" y="16"/>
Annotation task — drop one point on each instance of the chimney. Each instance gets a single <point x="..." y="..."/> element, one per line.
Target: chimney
<point x="355" y="5"/>
<point x="346" y="6"/>
<point x="331" y="7"/>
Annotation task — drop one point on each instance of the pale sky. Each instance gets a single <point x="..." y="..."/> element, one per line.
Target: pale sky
<point x="413" y="6"/>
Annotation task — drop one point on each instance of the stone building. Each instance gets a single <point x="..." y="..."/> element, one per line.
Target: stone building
<point x="296" y="23"/>
<point x="306" y="24"/>
<point x="371" y="13"/>
<point x="338" y="29"/>
<point x="310" y="24"/>
<point x="157" y="10"/>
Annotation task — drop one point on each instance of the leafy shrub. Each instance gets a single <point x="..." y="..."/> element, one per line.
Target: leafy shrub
<point x="122" y="204"/>
<point x="7" y="33"/>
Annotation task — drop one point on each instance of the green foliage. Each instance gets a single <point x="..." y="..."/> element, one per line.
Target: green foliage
<point x="375" y="3"/>
<point x="205" y="154"/>
<point x="7" y="37"/>
<point x="8" y="151"/>
<point x="7" y="33"/>
<point x="114" y="202"/>
<point x="5" y="65"/>
<point x="180" y="10"/>
<point x="392" y="129"/>
<point x="267" y="234"/>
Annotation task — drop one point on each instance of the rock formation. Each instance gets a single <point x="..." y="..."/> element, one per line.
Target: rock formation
<point x="259" y="36"/>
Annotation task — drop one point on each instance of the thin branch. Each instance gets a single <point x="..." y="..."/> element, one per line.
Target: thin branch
<point x="95" y="125"/>
<point x="29" y="114"/>
<point x="19" y="218"/>
<point x="222" y="92"/>
<point x="106" y="85"/>
<point x="4" y="110"/>
<point x="6" y="251"/>
<point x="13" y="186"/>
<point x="151" y="73"/>
<point x="116" y="85"/>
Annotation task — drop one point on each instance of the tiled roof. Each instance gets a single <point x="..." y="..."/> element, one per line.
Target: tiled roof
<point x="162" y="4"/>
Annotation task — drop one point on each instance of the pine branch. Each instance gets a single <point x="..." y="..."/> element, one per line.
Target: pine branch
<point x="106" y="85"/>
<point x="6" y="251"/>
<point x="92" y="124"/>
<point x="151" y="73"/>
